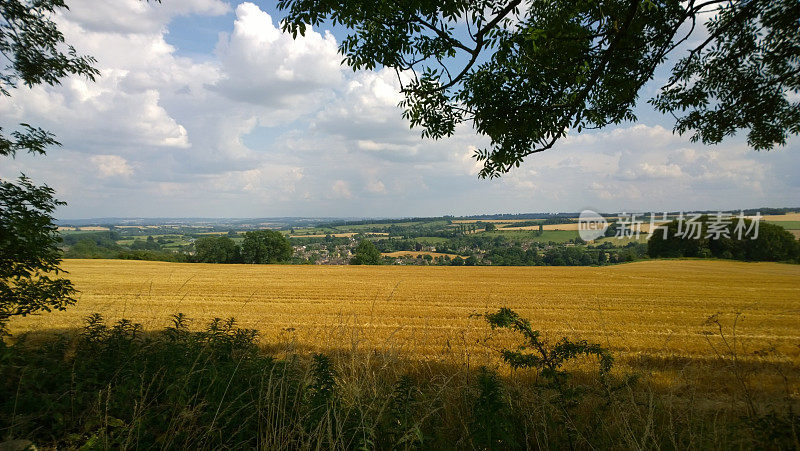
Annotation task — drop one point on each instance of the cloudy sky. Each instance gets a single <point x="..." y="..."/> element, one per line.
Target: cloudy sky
<point x="205" y="109"/>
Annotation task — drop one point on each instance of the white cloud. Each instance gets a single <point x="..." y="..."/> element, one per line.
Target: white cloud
<point x="123" y="108"/>
<point x="111" y="166"/>
<point x="654" y="171"/>
<point x="267" y="180"/>
<point x="375" y="186"/>
<point x="266" y="67"/>
<point x="128" y="17"/>
<point x="365" y="113"/>
<point x="268" y="125"/>
<point x="341" y="189"/>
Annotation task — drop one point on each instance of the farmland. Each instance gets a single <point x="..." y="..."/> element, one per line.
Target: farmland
<point x="487" y="240"/>
<point x="693" y="353"/>
<point x="649" y="314"/>
<point x="429" y="348"/>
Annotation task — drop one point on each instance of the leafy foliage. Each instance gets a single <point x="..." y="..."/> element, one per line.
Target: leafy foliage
<point x="118" y="386"/>
<point x="34" y="53"/>
<point x="547" y="358"/>
<point x="266" y="246"/>
<point x="217" y="250"/>
<point x="492" y="428"/>
<point x="29" y="255"/>
<point x="366" y="254"/>
<point x="773" y="243"/>
<point x="187" y="382"/>
<point x="524" y="73"/>
<point x="399" y="427"/>
<point x="153" y="256"/>
<point x="739" y="77"/>
<point x="321" y="395"/>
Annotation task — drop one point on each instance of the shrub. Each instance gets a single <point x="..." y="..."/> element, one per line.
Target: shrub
<point x="547" y="358"/>
<point x="118" y="386"/>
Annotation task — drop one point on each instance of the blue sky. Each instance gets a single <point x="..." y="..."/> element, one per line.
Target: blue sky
<point x="204" y="108"/>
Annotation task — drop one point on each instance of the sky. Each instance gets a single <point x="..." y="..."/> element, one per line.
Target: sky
<point x="205" y="109"/>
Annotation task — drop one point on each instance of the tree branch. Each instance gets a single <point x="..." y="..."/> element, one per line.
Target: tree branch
<point x="479" y="42"/>
<point x="632" y="9"/>
<point x="677" y="74"/>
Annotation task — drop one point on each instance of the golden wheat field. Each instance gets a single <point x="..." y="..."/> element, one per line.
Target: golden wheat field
<point x="650" y="314"/>
<point x="795" y="216"/>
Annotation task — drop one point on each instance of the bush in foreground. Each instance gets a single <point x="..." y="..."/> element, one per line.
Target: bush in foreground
<point x="119" y="387"/>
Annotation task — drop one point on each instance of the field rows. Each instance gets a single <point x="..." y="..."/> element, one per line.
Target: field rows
<point x="646" y="307"/>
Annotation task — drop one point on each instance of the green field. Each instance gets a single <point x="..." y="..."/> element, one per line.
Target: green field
<point x="557" y="236"/>
<point x="788" y="225"/>
<point x="430" y="239"/>
<point x="619" y="242"/>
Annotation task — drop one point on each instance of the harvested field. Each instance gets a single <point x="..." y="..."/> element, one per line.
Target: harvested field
<point x="647" y="310"/>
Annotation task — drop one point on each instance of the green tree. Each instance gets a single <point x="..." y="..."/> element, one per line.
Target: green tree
<point x="525" y="73"/>
<point x="88" y="248"/>
<point x="490" y="227"/>
<point x="772" y="243"/>
<point x="672" y="244"/>
<point x="148" y="245"/>
<point x="34" y="53"/>
<point x="266" y="246"/>
<point x="366" y="254"/>
<point x="29" y="253"/>
<point x="216" y="250"/>
<point x="457" y="261"/>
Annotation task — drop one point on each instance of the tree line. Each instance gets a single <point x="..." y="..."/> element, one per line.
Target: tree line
<point x="771" y="243"/>
<point x="258" y="247"/>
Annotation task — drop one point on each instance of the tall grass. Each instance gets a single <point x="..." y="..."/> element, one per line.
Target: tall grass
<point x="115" y="386"/>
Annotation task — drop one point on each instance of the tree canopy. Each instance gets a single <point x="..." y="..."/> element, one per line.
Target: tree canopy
<point x="524" y="73"/>
<point x="366" y="254"/>
<point x="771" y="242"/>
<point x="217" y="250"/>
<point x="34" y="53"/>
<point x="29" y="254"/>
<point x="266" y="246"/>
